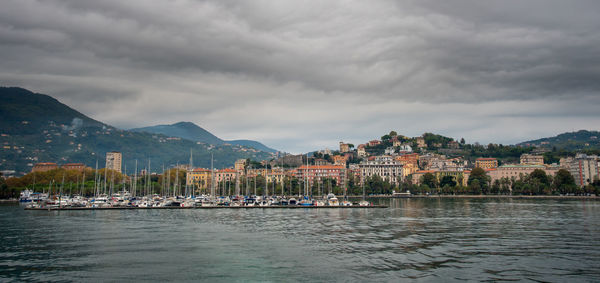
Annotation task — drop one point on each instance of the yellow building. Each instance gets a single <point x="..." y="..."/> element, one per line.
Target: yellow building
<point x="344" y="147"/>
<point x="199" y="178"/>
<point x="240" y="165"/>
<point x="408" y="169"/>
<point x="486" y="163"/>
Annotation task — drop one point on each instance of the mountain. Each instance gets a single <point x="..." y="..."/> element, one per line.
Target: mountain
<point x="184" y="130"/>
<point x="23" y="112"/>
<point x="38" y="128"/>
<point x="193" y="132"/>
<point x="582" y="139"/>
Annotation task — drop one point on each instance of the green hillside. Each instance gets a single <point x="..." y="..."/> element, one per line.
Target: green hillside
<point x="38" y="128"/>
<point x="580" y="140"/>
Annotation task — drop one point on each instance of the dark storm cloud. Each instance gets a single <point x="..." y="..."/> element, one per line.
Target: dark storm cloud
<point x="215" y="62"/>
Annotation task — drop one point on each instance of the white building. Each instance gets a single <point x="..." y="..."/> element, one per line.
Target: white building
<point x="113" y="161"/>
<point x="584" y="168"/>
<point x="383" y="166"/>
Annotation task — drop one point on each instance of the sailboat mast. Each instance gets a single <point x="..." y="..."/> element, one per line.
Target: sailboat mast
<point x="135" y="179"/>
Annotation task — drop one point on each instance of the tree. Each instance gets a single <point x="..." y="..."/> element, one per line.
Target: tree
<point x="479" y="175"/>
<point x="430" y="180"/>
<point x="393" y="134"/>
<point x="475" y="187"/>
<point x="447" y="181"/>
<point x="462" y="141"/>
<point x="564" y="182"/>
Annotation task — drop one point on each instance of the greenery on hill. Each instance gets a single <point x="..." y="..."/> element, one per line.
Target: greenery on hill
<point x="580" y="140"/>
<point x="37" y="128"/>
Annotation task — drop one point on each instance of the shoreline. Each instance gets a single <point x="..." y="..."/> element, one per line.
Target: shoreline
<point x="484" y="196"/>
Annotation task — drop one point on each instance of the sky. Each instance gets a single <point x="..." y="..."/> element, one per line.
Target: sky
<point x="304" y="75"/>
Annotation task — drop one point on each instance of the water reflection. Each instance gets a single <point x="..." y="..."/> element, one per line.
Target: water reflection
<point x="428" y="239"/>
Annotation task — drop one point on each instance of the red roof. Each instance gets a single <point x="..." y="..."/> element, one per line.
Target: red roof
<point x="315" y="167"/>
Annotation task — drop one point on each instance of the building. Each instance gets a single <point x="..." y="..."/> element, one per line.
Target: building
<point x="409" y="169"/>
<point x="240" y="165"/>
<point x="530" y="159"/>
<point x="412" y="158"/>
<point x="584" y="168"/>
<point x="321" y="162"/>
<point x="199" y="178"/>
<point x="390" y="150"/>
<point x="225" y="175"/>
<point x="313" y="172"/>
<point x="340" y="160"/>
<point x="44" y="166"/>
<point x="275" y="175"/>
<point x="361" y="150"/>
<point x="113" y="161"/>
<point x="516" y="171"/>
<point x="421" y="142"/>
<point x="344" y="147"/>
<point x="405" y="148"/>
<point x="374" y="143"/>
<point x="486" y="163"/>
<point x="383" y="166"/>
<point x="73" y="166"/>
<point x="453" y="145"/>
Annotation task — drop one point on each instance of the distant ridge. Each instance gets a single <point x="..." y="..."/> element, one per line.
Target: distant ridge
<point x="38" y="128"/>
<point x="184" y="130"/>
<point x="193" y="132"/>
<point x="582" y="139"/>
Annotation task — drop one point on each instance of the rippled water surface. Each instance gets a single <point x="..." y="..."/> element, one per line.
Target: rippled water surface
<point x="417" y="239"/>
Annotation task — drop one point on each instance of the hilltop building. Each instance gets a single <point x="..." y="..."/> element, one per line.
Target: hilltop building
<point x="340" y="160"/>
<point x="361" y="150"/>
<point x="421" y="142"/>
<point x="344" y="147"/>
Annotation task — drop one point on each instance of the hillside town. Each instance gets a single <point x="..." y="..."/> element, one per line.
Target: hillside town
<point x="389" y="165"/>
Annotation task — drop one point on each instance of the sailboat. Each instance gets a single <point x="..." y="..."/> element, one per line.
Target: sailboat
<point x="363" y="202"/>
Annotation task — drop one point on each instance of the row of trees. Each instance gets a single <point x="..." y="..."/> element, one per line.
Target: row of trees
<point x="174" y="181"/>
<point x="536" y="183"/>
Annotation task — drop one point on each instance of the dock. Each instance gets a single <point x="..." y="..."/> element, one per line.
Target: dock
<point x="207" y="207"/>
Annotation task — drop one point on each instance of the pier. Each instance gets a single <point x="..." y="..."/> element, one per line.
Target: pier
<point x="208" y="207"/>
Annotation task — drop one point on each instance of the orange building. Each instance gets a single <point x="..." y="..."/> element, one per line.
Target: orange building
<point x="44" y="166"/>
<point x="412" y="158"/>
<point x="340" y="160"/>
<point x="73" y="166"/>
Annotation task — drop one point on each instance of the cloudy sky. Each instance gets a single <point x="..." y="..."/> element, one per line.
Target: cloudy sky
<point x="303" y="75"/>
